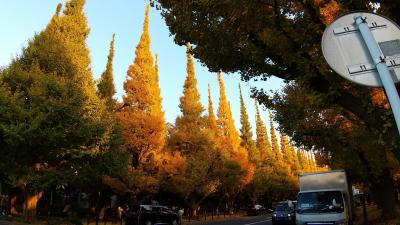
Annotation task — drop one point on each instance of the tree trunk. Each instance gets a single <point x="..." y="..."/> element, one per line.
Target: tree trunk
<point x="30" y="203"/>
<point x="384" y="195"/>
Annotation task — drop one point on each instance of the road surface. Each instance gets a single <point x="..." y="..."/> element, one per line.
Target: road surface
<point x="240" y="220"/>
<point x="257" y="220"/>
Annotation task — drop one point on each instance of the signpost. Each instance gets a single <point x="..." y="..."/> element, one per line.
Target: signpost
<point x="365" y="48"/>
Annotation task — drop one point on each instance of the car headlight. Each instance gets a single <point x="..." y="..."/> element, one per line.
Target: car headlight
<point x="274" y="215"/>
<point x="289" y="215"/>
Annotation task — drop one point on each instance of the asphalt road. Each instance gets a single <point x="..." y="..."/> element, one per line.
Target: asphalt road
<point x="242" y="220"/>
<point x="258" y="220"/>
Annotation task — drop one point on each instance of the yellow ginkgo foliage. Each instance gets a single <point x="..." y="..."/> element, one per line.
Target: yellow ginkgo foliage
<point x="143" y="118"/>
<point x="229" y="139"/>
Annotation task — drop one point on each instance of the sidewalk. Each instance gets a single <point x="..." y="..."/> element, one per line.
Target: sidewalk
<point x="12" y="220"/>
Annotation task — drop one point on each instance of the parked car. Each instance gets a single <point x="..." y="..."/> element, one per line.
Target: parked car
<point x="255" y="210"/>
<point x="285" y="213"/>
<point x="150" y="214"/>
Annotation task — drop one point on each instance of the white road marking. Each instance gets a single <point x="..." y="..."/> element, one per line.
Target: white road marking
<point x="258" y="222"/>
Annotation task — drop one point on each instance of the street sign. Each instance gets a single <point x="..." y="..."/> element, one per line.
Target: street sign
<point x="365" y="48"/>
<point x="347" y="54"/>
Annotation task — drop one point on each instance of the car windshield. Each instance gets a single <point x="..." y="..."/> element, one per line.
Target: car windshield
<point x="136" y="208"/>
<point x="283" y="208"/>
<point x="320" y="202"/>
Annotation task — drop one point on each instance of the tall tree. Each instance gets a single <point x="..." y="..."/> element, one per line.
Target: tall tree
<point x="229" y="137"/>
<point x="237" y="157"/>
<point x="272" y="181"/>
<point x="227" y="132"/>
<point x="287" y="157"/>
<point x="246" y="135"/>
<point x="312" y="162"/>
<point x="191" y="122"/>
<point x="262" y="141"/>
<point x="296" y="167"/>
<point x="258" y="186"/>
<point x="281" y="168"/>
<point x="60" y="124"/>
<point x="274" y="141"/>
<point x="143" y="118"/>
<point x="302" y="160"/>
<point x="285" y="148"/>
<point x="190" y="105"/>
<point x="105" y="86"/>
<point x="192" y="140"/>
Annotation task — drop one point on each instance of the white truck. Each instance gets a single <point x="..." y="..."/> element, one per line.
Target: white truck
<point x="325" y="198"/>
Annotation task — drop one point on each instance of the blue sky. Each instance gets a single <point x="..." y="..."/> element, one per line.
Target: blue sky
<point x="21" y="19"/>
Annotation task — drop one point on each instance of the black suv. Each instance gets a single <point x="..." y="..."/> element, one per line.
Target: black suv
<point x="284" y="213"/>
<point x="150" y="214"/>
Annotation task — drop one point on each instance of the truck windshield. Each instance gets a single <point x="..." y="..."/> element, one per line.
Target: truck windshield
<point x="320" y="202"/>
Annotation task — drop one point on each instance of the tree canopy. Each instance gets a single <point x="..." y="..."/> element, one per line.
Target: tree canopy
<point x="261" y="39"/>
<point x="58" y="132"/>
<point x="281" y="38"/>
<point x="53" y="125"/>
<point x="143" y="119"/>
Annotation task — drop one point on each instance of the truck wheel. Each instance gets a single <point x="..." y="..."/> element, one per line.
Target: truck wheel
<point x="174" y="222"/>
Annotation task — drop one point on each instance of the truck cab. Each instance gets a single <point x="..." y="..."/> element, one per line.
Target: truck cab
<point x="322" y="207"/>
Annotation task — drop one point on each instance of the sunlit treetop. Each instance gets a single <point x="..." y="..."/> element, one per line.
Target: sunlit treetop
<point x="143" y="118"/>
<point x="141" y="88"/>
<point x="274" y="140"/>
<point x="246" y="134"/>
<point x="285" y="148"/>
<point x="190" y="100"/>
<point x="262" y="141"/>
<point x="212" y="122"/>
<point x="105" y="87"/>
<point x="225" y="122"/>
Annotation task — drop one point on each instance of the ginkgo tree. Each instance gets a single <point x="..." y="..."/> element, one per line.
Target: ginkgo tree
<point x="58" y="126"/>
<point x="237" y="162"/>
<point x="192" y="142"/>
<point x="143" y="119"/>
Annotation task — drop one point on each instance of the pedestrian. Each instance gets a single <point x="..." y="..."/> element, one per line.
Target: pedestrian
<point x="120" y="211"/>
<point x="180" y="213"/>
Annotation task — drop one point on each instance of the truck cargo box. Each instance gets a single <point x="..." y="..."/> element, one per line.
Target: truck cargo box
<point x="334" y="179"/>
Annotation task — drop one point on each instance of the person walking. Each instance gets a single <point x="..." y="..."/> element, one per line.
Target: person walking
<point x="181" y="211"/>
